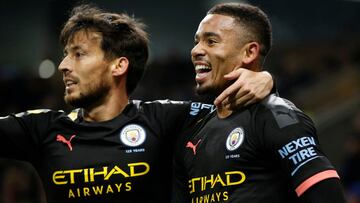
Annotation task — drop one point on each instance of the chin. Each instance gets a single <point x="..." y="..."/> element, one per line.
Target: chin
<point x="203" y="90"/>
<point x="209" y="90"/>
<point x="200" y="91"/>
<point x="85" y="100"/>
<point x="75" y="102"/>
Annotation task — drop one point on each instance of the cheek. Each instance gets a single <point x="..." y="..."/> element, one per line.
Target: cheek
<point x="227" y="63"/>
<point x="91" y="74"/>
<point x="218" y="64"/>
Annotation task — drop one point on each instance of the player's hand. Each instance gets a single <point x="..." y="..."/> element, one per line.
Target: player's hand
<point x="249" y="87"/>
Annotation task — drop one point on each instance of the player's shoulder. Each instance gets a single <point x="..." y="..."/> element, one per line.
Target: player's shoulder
<point x="168" y="106"/>
<point x="156" y="104"/>
<point x="40" y="116"/>
<point x="283" y="111"/>
<point x="47" y="115"/>
<point x="161" y="102"/>
<point x="40" y="113"/>
<point x="274" y="102"/>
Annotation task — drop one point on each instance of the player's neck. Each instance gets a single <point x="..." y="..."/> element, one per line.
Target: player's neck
<point x="111" y="106"/>
<point x="223" y="112"/>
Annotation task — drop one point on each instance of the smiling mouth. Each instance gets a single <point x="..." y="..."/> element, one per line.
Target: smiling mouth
<point x="202" y="68"/>
<point x="69" y="84"/>
<point x="201" y="72"/>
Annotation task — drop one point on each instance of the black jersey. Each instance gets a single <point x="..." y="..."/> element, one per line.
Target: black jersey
<point x="268" y="152"/>
<point x="126" y="159"/>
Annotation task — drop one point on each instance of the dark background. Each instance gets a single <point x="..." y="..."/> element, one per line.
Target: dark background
<point x="315" y="60"/>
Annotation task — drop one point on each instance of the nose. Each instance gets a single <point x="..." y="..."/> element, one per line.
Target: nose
<point x="64" y="65"/>
<point x="197" y="51"/>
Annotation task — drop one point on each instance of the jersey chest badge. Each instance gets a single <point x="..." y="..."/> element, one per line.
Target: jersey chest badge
<point x="235" y="139"/>
<point x="132" y="135"/>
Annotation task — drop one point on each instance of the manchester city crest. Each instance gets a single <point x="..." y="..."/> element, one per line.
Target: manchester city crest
<point x="133" y="135"/>
<point x="235" y="139"/>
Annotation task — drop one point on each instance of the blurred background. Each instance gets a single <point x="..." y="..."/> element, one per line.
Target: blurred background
<point x="315" y="60"/>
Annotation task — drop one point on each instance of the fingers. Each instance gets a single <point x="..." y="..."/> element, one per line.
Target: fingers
<point x="235" y="87"/>
<point x="234" y="74"/>
<point x="238" y="102"/>
<point x="219" y="99"/>
<point x="248" y="88"/>
<point x="251" y="101"/>
<point x="231" y="90"/>
<point x="237" y="97"/>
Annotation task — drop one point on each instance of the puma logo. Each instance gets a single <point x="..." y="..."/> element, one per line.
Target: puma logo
<point x="192" y="146"/>
<point x="62" y="139"/>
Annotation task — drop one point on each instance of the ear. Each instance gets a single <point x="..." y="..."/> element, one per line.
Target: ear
<point x="121" y="66"/>
<point x="251" y="52"/>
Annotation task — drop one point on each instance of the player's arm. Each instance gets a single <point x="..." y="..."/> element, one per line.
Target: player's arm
<point x="289" y="137"/>
<point x="326" y="191"/>
<point x="10" y="132"/>
<point x="170" y="117"/>
<point x="18" y="135"/>
<point x="248" y="87"/>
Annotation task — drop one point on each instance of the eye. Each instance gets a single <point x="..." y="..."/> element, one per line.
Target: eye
<point x="211" y="41"/>
<point x="78" y="54"/>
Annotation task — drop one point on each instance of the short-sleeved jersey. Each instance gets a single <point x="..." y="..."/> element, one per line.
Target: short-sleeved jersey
<point x="268" y="152"/>
<point x="126" y="159"/>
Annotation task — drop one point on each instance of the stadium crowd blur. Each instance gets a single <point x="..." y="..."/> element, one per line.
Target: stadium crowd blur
<point x="320" y="75"/>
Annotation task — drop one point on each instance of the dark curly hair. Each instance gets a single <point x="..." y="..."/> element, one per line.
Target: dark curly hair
<point x="122" y="35"/>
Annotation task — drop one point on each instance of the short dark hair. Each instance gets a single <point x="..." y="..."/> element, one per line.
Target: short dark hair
<point x="122" y="35"/>
<point x="252" y="18"/>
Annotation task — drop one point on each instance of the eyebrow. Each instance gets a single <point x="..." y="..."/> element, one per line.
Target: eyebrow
<point x="207" y="34"/>
<point x="72" y="48"/>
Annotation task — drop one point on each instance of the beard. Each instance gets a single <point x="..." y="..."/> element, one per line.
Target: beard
<point x="92" y="95"/>
<point x="209" y="90"/>
<point x="213" y="90"/>
<point x="203" y="90"/>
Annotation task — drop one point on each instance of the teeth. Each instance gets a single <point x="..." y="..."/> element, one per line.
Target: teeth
<point x="202" y="67"/>
<point x="68" y="83"/>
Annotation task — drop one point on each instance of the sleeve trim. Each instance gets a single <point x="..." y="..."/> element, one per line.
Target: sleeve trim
<point x="315" y="179"/>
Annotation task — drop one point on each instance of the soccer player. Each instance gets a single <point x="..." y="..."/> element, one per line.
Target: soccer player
<point x="266" y="152"/>
<point x="109" y="149"/>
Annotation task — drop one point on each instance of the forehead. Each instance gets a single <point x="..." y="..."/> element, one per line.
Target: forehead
<point x="84" y="38"/>
<point x="217" y="23"/>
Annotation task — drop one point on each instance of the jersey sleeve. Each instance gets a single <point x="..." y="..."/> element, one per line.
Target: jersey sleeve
<point x="177" y="116"/>
<point x="20" y="134"/>
<point x="289" y="138"/>
<point x="178" y="119"/>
